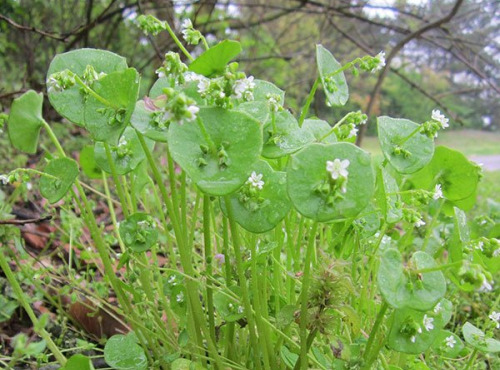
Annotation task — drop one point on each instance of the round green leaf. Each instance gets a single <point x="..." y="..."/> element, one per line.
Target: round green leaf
<point x="70" y="103"/>
<point x="79" y="362"/>
<point x="63" y="173"/>
<point x="88" y="163"/>
<point x="448" y="344"/>
<point x="139" y="232"/>
<point x="256" y="109"/>
<point x="121" y="90"/>
<point x="228" y="308"/>
<point x="222" y="165"/>
<point x="288" y="137"/>
<point x="25" y="121"/>
<point x="127" y="155"/>
<point x="408" y="323"/>
<point x="368" y="221"/>
<point x="319" y="128"/>
<point x="327" y="65"/>
<point x="215" y="59"/>
<point x="391" y="132"/>
<point x="307" y="172"/>
<point x="264" y="88"/>
<point x="457" y="175"/>
<point x="142" y="121"/>
<point x="477" y="339"/>
<point x="121" y="352"/>
<point x="259" y="211"/>
<point x="421" y="293"/>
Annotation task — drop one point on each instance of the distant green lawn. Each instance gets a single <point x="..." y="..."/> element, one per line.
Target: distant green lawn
<point x="469" y="142"/>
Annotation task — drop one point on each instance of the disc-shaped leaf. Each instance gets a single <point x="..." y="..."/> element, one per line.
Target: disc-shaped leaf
<point x="78" y="362"/>
<point x="263" y="89"/>
<point x="25" y="121"/>
<point x="477" y="339"/>
<point x="139" y="232"/>
<point x="256" y="210"/>
<point x="127" y="155"/>
<point x="143" y="121"/>
<point x="70" y="103"/>
<point x="107" y="123"/>
<point x="306" y="173"/>
<point x="457" y="175"/>
<point x="215" y="59"/>
<point x="256" y="109"/>
<point x="415" y="331"/>
<point x="421" y="293"/>
<point x="88" y="163"/>
<point x="62" y="174"/>
<point x="229" y="309"/>
<point x="287" y="138"/>
<point x="122" y="352"/>
<point x="222" y="165"/>
<point x="320" y="129"/>
<point x="408" y="156"/>
<point x="335" y="85"/>
<point x="448" y="344"/>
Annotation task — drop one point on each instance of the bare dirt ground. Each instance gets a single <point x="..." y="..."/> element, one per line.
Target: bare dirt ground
<point x="490" y="162"/>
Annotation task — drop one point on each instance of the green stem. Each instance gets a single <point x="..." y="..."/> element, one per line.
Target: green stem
<point x="94" y="94"/>
<point x="413" y="133"/>
<point x="472" y="359"/>
<point x="438" y="268"/>
<point x="206" y="136"/>
<point x="208" y="264"/>
<point x="376" y="325"/>
<point x="335" y="126"/>
<point x="24" y="303"/>
<point x="304" y="299"/>
<point x="177" y="41"/>
<point x="309" y="100"/>
<point x="116" y="180"/>
<point x="243" y="281"/>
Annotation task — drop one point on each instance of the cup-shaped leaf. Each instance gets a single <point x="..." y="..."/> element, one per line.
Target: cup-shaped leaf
<point x="406" y="156"/>
<point x="143" y="121"/>
<point x="320" y="129"/>
<point x="70" y="103"/>
<point x="406" y="289"/>
<point x="120" y="89"/>
<point x="307" y="177"/>
<point x="257" y="210"/>
<point x="457" y="175"/>
<point x="215" y="59"/>
<point x="25" y="121"/>
<point x="127" y="155"/>
<point x="477" y="339"/>
<point x="334" y="84"/>
<point x="122" y="352"/>
<point x="220" y="160"/>
<point x="139" y="232"/>
<point x="287" y="138"/>
<point x="415" y="331"/>
<point x="62" y="174"/>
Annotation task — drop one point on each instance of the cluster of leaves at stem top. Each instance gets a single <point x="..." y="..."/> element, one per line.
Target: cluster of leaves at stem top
<point x="233" y="137"/>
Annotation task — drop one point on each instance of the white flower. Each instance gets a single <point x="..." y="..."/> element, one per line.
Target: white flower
<point x="381" y="64"/>
<point x="419" y="223"/>
<point x="203" y="86"/>
<point x="353" y="132"/>
<point x="495" y="317"/>
<point x="171" y="279"/>
<point x="480" y="246"/>
<point x="179" y="297"/>
<point x="428" y="323"/>
<point x="419" y="330"/>
<point x="437" y="116"/>
<point x="192" y="110"/>
<point x="338" y="168"/>
<point x="496" y="252"/>
<point x="486" y="286"/>
<point x="438" y="308"/>
<point x="438" y="193"/>
<point x="240" y="309"/>
<point x="4" y="179"/>
<point x="186" y="23"/>
<point x="241" y="86"/>
<point x="256" y="180"/>
<point x="53" y="85"/>
<point x="29" y="186"/>
<point x="160" y="73"/>
<point x="413" y="339"/>
<point x="192" y="76"/>
<point x="450" y="341"/>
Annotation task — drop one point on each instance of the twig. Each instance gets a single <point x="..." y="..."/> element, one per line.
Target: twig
<point x="24" y="222"/>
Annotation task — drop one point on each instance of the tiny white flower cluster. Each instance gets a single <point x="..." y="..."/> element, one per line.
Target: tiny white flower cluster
<point x="381" y="62"/>
<point x="255" y="180"/>
<point x="428" y="323"/>
<point x="338" y="168"/>
<point x="243" y="88"/>
<point x="419" y="223"/>
<point x="4" y="179"/>
<point x="495" y="317"/>
<point x="450" y="341"/>
<point x="439" y="117"/>
<point x="438" y="308"/>
<point x="438" y="192"/>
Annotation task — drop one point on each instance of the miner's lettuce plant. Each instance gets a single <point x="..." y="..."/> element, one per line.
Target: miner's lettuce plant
<point x="286" y="245"/>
